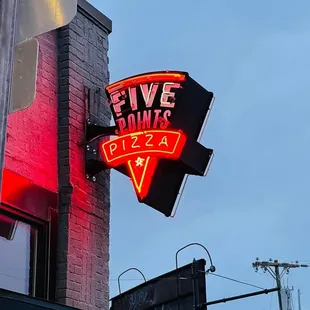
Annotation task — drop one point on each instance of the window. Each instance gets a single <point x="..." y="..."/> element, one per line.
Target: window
<point x="15" y="240"/>
<point x="23" y="258"/>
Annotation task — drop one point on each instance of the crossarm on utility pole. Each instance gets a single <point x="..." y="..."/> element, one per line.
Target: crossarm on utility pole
<point x="267" y="266"/>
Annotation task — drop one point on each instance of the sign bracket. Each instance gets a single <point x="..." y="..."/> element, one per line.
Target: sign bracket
<point x="93" y="131"/>
<point x="93" y="167"/>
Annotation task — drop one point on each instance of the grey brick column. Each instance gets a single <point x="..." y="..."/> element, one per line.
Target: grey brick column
<point x="84" y="206"/>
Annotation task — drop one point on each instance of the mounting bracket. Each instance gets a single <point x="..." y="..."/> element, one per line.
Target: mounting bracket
<point x="93" y="164"/>
<point x="94" y="131"/>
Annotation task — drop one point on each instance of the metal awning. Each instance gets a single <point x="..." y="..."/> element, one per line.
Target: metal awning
<point x="12" y="301"/>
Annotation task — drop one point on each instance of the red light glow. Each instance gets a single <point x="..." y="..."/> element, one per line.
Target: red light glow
<point x="145" y="79"/>
<point x="142" y="174"/>
<point x="140" y="151"/>
<point x="155" y="143"/>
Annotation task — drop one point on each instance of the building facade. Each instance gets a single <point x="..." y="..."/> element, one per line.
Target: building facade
<point x="54" y="222"/>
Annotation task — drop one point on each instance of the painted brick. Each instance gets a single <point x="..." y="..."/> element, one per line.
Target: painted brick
<point x="85" y="207"/>
<point x="42" y="145"/>
<point x="31" y="147"/>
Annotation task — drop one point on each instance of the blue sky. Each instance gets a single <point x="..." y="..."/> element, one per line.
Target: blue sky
<point x="254" y="55"/>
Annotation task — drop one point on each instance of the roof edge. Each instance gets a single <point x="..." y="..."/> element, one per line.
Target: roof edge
<point x="95" y="15"/>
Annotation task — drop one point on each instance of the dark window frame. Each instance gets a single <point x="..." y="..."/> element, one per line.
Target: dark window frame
<point x="42" y="281"/>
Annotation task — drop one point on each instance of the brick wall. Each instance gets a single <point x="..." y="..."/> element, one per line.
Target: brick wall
<point x="84" y="206"/>
<point x="31" y="147"/>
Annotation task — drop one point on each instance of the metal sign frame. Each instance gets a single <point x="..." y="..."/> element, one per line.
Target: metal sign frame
<point x="36" y="17"/>
<point x="25" y="70"/>
<point x="180" y="289"/>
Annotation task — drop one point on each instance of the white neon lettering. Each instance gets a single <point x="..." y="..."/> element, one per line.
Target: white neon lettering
<point x="148" y="141"/>
<point x="149" y="94"/>
<point x="133" y="145"/>
<point x="164" y="141"/>
<point x="167" y="93"/>
<point x="113" y="147"/>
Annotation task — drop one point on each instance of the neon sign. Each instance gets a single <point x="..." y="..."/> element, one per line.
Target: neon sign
<point x="158" y="119"/>
<point x="149" y="98"/>
<point x="141" y="152"/>
<point x="153" y="143"/>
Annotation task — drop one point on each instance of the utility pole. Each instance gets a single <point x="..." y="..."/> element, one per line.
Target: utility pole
<point x="278" y="280"/>
<point x="276" y="274"/>
<point x="299" y="302"/>
<point x="8" y="10"/>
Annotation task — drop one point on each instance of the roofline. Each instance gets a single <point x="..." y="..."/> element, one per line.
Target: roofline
<point x="99" y="18"/>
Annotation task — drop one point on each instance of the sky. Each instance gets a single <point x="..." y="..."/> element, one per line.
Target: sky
<point x="254" y="56"/>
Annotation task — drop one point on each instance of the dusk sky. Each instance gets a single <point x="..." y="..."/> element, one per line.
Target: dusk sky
<point x="255" y="201"/>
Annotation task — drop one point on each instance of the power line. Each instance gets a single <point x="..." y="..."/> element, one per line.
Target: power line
<point x="126" y="280"/>
<point x="237" y="281"/>
<point x="184" y="278"/>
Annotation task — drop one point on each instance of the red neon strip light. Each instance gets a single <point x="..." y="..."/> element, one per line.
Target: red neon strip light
<point x="140" y="151"/>
<point x="154" y="143"/>
<point x="142" y="179"/>
<point x="145" y="79"/>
